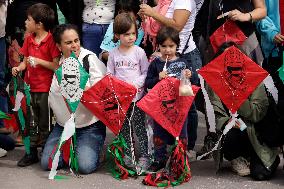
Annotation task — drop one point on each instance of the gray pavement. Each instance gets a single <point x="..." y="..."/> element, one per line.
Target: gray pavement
<point x="203" y="175"/>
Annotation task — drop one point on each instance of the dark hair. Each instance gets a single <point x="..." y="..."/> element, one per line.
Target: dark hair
<point x="224" y="46"/>
<point x="122" y="23"/>
<point x="129" y="6"/>
<point x="60" y="29"/>
<point x="2" y="2"/>
<point x="168" y="33"/>
<point x="42" y="13"/>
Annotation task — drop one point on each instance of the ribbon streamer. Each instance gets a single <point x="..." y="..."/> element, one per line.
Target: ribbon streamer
<point x="209" y="107"/>
<point x="68" y="132"/>
<point x="177" y="170"/>
<point x="18" y="99"/>
<point x="228" y="127"/>
<point x="269" y="84"/>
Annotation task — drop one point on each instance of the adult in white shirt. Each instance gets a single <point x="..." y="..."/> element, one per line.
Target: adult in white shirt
<point x="90" y="132"/>
<point x="97" y="15"/>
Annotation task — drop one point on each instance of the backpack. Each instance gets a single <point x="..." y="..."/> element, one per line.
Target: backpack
<point x="86" y="64"/>
<point x="270" y="130"/>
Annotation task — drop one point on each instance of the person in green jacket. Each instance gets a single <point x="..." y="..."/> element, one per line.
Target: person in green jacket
<point x="248" y="155"/>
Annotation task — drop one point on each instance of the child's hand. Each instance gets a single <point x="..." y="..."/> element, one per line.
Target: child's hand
<point x="162" y="75"/>
<point x="187" y="73"/>
<point x="15" y="71"/>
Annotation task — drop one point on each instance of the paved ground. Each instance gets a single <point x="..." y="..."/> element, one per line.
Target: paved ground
<point x="203" y="176"/>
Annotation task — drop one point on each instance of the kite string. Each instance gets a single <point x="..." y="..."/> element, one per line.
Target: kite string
<point x="129" y="123"/>
<point x="102" y="101"/>
<point x="221" y="6"/>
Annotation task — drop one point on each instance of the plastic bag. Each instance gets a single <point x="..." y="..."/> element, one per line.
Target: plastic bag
<point x="185" y="88"/>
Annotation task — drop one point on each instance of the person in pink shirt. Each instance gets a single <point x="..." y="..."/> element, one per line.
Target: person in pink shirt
<point x="129" y="63"/>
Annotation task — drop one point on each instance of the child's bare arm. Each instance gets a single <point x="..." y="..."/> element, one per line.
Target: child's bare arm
<point x="21" y="67"/>
<point x="47" y="64"/>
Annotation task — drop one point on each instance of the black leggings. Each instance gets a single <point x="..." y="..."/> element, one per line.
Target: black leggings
<point x="236" y="143"/>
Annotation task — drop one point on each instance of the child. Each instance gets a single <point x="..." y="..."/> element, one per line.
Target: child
<point x="168" y="40"/>
<point x="128" y="62"/>
<point x="41" y="57"/>
<point x="128" y="6"/>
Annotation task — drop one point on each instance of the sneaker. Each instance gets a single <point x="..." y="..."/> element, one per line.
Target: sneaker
<point x="29" y="159"/>
<point x="259" y="172"/>
<point x="128" y="162"/>
<point x="3" y="152"/>
<point x="191" y="155"/>
<point x="241" y="166"/>
<point x="143" y="164"/>
<point x="156" y="166"/>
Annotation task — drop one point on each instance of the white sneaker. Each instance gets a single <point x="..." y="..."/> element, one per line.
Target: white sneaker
<point x="241" y="166"/>
<point x="128" y="162"/>
<point x="191" y="155"/>
<point x="3" y="152"/>
<point x="143" y="164"/>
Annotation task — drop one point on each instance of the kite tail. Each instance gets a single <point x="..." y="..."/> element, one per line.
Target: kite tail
<point x="68" y="150"/>
<point x="74" y="165"/>
<point x="116" y="151"/>
<point x="209" y="107"/>
<point x="176" y="172"/>
<point x="269" y="84"/>
<point x="18" y="99"/>
<point x="4" y="115"/>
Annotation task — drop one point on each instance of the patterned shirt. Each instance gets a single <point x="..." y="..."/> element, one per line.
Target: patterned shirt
<point x="98" y="13"/>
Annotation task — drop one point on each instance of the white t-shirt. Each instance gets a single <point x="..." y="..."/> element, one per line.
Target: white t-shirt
<point x="3" y="16"/>
<point x="98" y="13"/>
<point x="186" y="31"/>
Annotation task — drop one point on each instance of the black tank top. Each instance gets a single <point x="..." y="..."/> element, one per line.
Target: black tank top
<point x="223" y="6"/>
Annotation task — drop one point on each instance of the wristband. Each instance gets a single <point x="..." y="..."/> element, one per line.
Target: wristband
<point x="251" y="20"/>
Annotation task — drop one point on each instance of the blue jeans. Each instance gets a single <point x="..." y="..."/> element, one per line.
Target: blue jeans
<point x="162" y="138"/>
<point x="3" y="99"/>
<point x="93" y="35"/>
<point x="90" y="141"/>
<point x="195" y="62"/>
<point x="192" y="125"/>
<point x="2" y="61"/>
<point x="6" y="142"/>
<point x="3" y="107"/>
